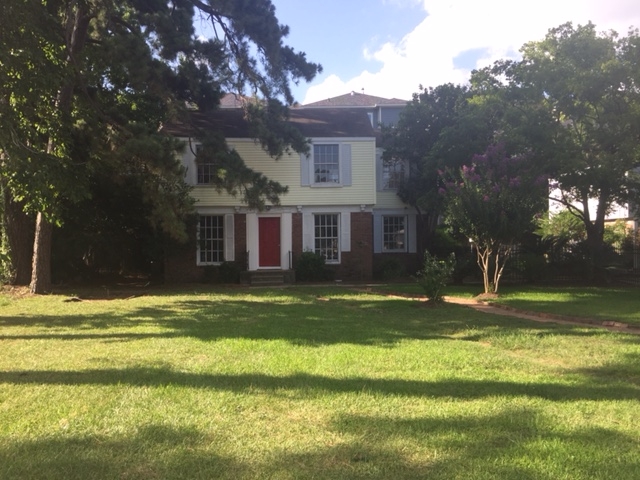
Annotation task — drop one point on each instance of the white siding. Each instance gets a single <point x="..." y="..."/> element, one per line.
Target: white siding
<point x="288" y="172"/>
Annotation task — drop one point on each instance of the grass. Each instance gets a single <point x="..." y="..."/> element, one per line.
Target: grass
<point x="308" y="383"/>
<point x="621" y="304"/>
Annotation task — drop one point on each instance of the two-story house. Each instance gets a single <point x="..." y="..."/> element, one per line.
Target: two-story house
<point x="340" y="203"/>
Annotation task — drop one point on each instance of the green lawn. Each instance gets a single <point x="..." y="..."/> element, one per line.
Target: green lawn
<point x="308" y="383"/>
<point x="621" y="304"/>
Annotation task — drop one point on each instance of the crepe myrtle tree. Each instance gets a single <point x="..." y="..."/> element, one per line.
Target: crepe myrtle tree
<point x="493" y="200"/>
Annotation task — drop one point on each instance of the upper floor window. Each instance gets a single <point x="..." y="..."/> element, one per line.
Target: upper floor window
<point x="326" y="163"/>
<point x="393" y="233"/>
<point x="206" y="169"/>
<point x="393" y="174"/>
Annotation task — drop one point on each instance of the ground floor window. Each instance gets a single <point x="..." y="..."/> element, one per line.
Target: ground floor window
<point x="326" y="236"/>
<point x="394" y="233"/>
<point x="210" y="239"/>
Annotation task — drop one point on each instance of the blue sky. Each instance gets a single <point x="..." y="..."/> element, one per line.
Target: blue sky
<point x="390" y="47"/>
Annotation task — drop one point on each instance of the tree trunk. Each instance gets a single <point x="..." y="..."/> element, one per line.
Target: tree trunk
<point x="41" y="268"/>
<point x="78" y="18"/>
<point x="19" y="230"/>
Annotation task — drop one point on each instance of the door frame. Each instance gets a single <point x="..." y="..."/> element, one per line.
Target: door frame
<point x="277" y="250"/>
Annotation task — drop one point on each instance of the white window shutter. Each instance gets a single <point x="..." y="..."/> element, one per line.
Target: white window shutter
<point x="229" y="247"/>
<point x="305" y="170"/>
<point x="345" y="232"/>
<point x="308" y="234"/>
<point x="412" y="234"/>
<point x="345" y="164"/>
<point x="377" y="233"/>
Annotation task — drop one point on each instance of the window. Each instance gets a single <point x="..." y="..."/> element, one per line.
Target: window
<point x="210" y="239"/>
<point x="206" y="168"/>
<point x="326" y="236"/>
<point x="392" y="174"/>
<point x="394" y="233"/>
<point x="326" y="163"/>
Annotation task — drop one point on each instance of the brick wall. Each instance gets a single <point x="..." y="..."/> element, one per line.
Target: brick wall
<point x="358" y="263"/>
<point x="180" y="258"/>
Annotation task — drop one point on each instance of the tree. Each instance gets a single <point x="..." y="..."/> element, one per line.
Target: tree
<point x="87" y="84"/>
<point x="493" y="202"/>
<point x="588" y="82"/>
<point x="445" y="126"/>
<point x="416" y="141"/>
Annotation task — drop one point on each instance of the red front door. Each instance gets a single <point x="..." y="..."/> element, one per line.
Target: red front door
<point x="269" y="240"/>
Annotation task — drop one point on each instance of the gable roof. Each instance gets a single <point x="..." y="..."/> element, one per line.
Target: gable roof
<point x="312" y="122"/>
<point x="355" y="99"/>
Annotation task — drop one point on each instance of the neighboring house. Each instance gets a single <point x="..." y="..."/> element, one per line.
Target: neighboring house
<point x="626" y="212"/>
<point x="381" y="111"/>
<point x="338" y="203"/>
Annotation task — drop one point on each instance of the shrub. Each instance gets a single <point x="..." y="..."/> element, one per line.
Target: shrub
<point x="434" y="275"/>
<point x="226" y="272"/>
<point x="310" y="267"/>
<point x="389" y="269"/>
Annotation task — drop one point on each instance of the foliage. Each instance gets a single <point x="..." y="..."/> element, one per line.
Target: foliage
<point x="418" y="141"/>
<point x="561" y="228"/>
<point x="86" y="87"/>
<point x="493" y="202"/>
<point x="587" y="82"/>
<point x="389" y="269"/>
<point x="434" y="276"/>
<point x="310" y="267"/>
<point x="226" y="272"/>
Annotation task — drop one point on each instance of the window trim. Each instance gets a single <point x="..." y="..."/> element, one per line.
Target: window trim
<point x="210" y="166"/>
<point x="400" y="175"/>
<point x="337" y="238"/>
<point x="405" y="223"/>
<point x="345" y="165"/>
<point x="200" y="242"/>
<point x="339" y="165"/>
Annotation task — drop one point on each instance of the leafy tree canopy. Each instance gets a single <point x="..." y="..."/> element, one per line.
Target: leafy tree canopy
<point x="86" y="84"/>
<point x="588" y="82"/>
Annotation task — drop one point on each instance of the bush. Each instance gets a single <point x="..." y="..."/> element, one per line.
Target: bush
<point x="434" y="275"/>
<point x="226" y="272"/>
<point x="6" y="274"/>
<point x="310" y="267"/>
<point x="389" y="269"/>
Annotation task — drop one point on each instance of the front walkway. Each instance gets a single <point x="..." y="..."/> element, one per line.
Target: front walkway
<point x="495" y="309"/>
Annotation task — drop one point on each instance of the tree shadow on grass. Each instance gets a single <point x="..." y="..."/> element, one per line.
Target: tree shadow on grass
<point x="153" y="452"/>
<point x="301" y="318"/>
<point x="317" y="385"/>
<point x="624" y="369"/>
<point x="512" y="444"/>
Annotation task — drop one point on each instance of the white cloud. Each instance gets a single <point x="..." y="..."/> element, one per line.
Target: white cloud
<point x="425" y="56"/>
